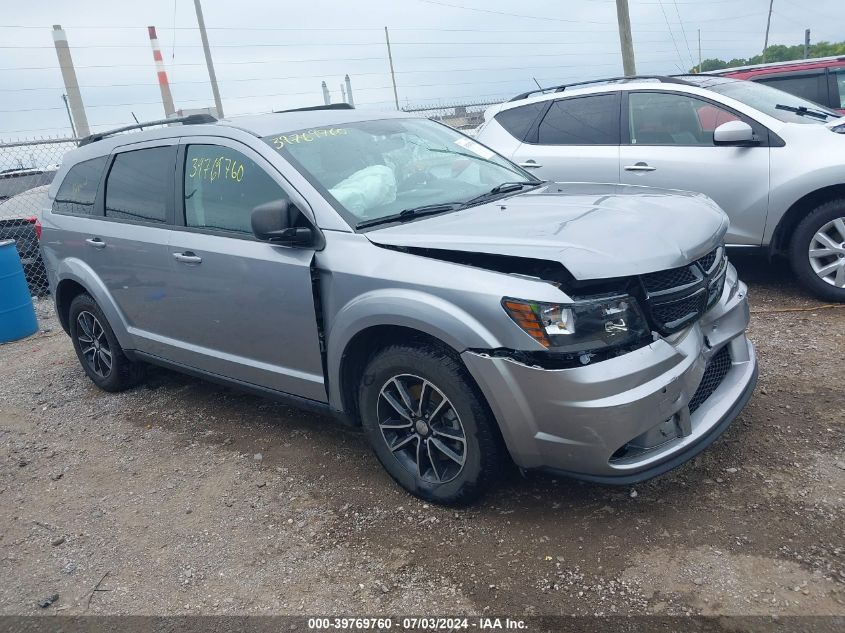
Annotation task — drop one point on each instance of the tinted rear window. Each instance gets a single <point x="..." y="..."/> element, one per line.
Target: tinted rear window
<point x="139" y="186"/>
<point x="590" y="120"/>
<point x="79" y="188"/>
<point x="812" y="87"/>
<point x="517" y="121"/>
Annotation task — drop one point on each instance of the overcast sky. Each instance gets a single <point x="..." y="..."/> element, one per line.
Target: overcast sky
<point x="273" y="55"/>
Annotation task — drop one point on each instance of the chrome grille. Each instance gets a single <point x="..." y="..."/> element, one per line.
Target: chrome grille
<point x="676" y="314"/>
<point x="665" y="279"/>
<point x="678" y="297"/>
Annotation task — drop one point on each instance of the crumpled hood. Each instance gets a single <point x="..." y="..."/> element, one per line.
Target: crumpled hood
<point x="596" y="231"/>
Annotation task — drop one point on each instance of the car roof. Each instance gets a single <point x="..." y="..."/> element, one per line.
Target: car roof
<point x="781" y="67"/>
<point x="690" y="83"/>
<point x="279" y="122"/>
<point x="258" y="125"/>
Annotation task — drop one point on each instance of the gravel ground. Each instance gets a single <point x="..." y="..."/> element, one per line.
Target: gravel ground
<point x="180" y="497"/>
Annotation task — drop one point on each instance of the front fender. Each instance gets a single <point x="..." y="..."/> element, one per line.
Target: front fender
<point x="74" y="269"/>
<point x="412" y="309"/>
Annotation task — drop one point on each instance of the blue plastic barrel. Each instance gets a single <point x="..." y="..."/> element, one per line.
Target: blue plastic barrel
<point x="17" y="315"/>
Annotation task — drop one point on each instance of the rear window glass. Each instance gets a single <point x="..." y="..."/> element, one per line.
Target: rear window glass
<point x="812" y="87"/>
<point x="139" y="185"/>
<point x="582" y="121"/>
<point x="79" y="188"/>
<point x="517" y="121"/>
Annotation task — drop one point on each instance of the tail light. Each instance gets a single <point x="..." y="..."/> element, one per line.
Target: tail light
<point x="34" y="220"/>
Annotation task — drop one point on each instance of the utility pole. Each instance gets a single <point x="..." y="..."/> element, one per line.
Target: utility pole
<point x="211" y="75"/>
<point x="74" y="97"/>
<point x="699" y="51"/>
<point x="768" y="24"/>
<point x="625" y="39"/>
<point x="806" y="43"/>
<point x="70" y="118"/>
<point x="392" y="74"/>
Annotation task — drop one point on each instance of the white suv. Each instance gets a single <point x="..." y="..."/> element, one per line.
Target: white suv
<point x="773" y="161"/>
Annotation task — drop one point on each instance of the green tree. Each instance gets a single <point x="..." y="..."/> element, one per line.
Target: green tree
<point x="776" y="53"/>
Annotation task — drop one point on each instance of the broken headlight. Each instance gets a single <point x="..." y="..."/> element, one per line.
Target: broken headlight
<point x="583" y="326"/>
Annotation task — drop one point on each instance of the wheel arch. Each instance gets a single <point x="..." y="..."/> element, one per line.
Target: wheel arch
<point x="75" y="277"/>
<point x="779" y="243"/>
<point x="366" y="344"/>
<point x="66" y="291"/>
<point x="371" y="323"/>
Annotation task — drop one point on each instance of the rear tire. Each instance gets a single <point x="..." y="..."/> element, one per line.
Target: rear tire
<point x="817" y="251"/>
<point x="99" y="353"/>
<point x="428" y="425"/>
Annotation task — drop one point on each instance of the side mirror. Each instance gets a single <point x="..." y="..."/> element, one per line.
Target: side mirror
<point x="734" y="133"/>
<point x="275" y="222"/>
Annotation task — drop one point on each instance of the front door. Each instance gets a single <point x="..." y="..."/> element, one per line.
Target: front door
<point x="670" y="144"/>
<point x="239" y="307"/>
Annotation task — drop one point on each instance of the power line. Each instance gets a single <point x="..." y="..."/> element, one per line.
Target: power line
<point x="331" y="59"/>
<point x="512" y="15"/>
<point x="672" y="35"/>
<point x="683" y="30"/>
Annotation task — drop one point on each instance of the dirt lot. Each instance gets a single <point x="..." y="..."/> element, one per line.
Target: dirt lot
<point x="182" y="497"/>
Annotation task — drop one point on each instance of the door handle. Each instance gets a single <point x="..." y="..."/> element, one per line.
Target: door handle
<point x="641" y="166"/>
<point x="96" y="242"/>
<point x="530" y="164"/>
<point x="188" y="257"/>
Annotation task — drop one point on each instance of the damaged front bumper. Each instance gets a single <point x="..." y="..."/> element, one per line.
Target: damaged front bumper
<point x="632" y="417"/>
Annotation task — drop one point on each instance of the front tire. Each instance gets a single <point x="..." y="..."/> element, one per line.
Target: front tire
<point x="99" y="353"/>
<point x="428" y="426"/>
<point x="817" y="251"/>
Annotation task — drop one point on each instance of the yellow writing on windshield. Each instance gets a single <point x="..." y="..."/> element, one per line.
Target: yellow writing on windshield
<point x="307" y="136"/>
<point x="212" y="169"/>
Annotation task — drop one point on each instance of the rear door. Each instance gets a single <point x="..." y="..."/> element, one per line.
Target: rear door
<point x="128" y="251"/>
<point x="670" y="144"/>
<point x="236" y="306"/>
<point x="118" y="226"/>
<point x="576" y="140"/>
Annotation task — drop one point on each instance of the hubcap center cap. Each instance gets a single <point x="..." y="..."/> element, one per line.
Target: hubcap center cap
<point x="422" y="427"/>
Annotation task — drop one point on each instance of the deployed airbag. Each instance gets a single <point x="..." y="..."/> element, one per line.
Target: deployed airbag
<point x="368" y="188"/>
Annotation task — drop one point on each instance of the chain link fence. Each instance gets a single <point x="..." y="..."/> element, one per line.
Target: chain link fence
<point x="26" y="171"/>
<point x="465" y="117"/>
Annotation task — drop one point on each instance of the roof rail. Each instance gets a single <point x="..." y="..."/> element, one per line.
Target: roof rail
<point x="562" y="87"/>
<point x="328" y="106"/>
<point x="191" y="119"/>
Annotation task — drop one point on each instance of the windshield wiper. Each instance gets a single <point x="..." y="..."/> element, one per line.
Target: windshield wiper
<point x="414" y="212"/>
<point x="504" y="187"/>
<point x="803" y="111"/>
<point x="439" y="150"/>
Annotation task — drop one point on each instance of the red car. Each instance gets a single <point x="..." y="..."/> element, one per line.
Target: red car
<point x="821" y="80"/>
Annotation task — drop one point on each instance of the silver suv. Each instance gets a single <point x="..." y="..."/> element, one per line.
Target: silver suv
<point x="773" y="161"/>
<point x="394" y="272"/>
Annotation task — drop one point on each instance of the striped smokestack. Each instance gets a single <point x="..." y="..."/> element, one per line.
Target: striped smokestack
<point x="166" y="97"/>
